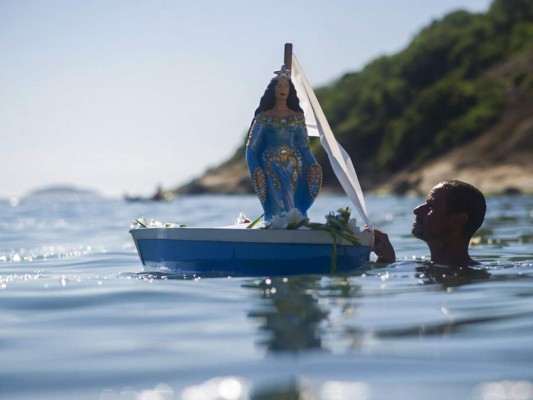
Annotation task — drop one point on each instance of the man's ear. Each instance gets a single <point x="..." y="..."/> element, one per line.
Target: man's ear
<point x="459" y="218"/>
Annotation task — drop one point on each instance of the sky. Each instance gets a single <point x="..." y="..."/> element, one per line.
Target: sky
<point x="119" y="96"/>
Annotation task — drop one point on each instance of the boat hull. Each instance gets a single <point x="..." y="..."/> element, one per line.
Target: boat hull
<point x="247" y="252"/>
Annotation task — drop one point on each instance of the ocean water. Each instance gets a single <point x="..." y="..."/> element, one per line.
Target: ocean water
<point x="80" y="319"/>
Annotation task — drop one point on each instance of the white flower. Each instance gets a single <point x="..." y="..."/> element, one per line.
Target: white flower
<point x="155" y="224"/>
<point x="287" y="220"/>
<point x="279" y="221"/>
<point x="242" y="219"/>
<point x="139" y="222"/>
<point x="142" y="222"/>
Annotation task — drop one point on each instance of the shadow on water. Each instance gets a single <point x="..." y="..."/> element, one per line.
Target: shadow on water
<point x="450" y="277"/>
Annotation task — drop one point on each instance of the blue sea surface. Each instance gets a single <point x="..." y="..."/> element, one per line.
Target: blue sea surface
<point x="81" y="319"/>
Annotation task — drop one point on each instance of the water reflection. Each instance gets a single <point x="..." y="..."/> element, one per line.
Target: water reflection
<point x="302" y="313"/>
<point x="290" y="314"/>
<point x="295" y="312"/>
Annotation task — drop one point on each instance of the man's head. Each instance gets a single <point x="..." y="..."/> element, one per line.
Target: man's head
<point x="451" y="208"/>
<point x="462" y="197"/>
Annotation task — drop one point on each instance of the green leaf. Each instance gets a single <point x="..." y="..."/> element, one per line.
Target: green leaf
<point x="255" y="221"/>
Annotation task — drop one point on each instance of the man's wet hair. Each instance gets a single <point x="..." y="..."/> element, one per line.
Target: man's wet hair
<point x="463" y="197"/>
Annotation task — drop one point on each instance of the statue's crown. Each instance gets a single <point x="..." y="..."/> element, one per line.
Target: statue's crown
<point x="283" y="73"/>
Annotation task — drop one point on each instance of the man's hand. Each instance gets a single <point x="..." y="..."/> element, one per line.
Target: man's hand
<point x="383" y="247"/>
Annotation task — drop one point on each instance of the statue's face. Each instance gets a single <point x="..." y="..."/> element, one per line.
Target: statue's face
<point x="281" y="90"/>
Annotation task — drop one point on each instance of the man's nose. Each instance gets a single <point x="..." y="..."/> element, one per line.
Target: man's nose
<point x="417" y="209"/>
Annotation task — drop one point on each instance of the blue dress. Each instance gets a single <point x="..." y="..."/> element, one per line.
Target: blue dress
<point x="285" y="174"/>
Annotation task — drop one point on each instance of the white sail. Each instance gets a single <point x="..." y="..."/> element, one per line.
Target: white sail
<point x="317" y="125"/>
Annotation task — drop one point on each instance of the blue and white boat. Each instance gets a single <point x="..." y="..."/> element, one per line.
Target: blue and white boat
<point x="239" y="251"/>
<point x="234" y="251"/>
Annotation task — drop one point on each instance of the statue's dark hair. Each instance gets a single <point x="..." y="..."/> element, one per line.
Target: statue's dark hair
<point x="463" y="197"/>
<point x="269" y="98"/>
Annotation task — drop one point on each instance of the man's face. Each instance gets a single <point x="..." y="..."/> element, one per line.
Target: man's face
<point x="431" y="218"/>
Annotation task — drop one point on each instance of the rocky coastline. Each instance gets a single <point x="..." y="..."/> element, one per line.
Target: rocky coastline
<point x="499" y="161"/>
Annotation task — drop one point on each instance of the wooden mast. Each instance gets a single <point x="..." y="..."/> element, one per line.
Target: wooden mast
<point x="287" y="59"/>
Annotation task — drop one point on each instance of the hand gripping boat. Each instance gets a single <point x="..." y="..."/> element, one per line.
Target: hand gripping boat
<point x="236" y="251"/>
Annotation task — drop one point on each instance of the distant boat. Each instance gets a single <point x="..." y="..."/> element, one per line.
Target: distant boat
<point x="132" y="199"/>
<point x="159" y="195"/>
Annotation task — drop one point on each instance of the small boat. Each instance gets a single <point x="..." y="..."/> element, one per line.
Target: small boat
<point x="334" y="247"/>
<point x="236" y="251"/>
<point x="159" y="195"/>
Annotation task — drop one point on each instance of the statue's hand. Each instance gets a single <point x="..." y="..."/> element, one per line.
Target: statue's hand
<point x="259" y="182"/>
<point x="314" y="180"/>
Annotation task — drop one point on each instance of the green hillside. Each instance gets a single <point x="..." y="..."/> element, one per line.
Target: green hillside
<point x="404" y="109"/>
<point x="437" y="94"/>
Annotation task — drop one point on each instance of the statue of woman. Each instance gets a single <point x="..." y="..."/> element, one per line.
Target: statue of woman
<point x="285" y="175"/>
